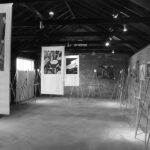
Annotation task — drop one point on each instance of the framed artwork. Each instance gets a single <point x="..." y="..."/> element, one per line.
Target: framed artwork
<point x="52" y="62"/>
<point x="142" y="71"/>
<point x="148" y="69"/>
<point x="137" y="71"/>
<point x="2" y="39"/>
<point x="5" y="54"/>
<point x="72" y="66"/>
<point x="72" y="70"/>
<point x="52" y="70"/>
<point x="105" y="71"/>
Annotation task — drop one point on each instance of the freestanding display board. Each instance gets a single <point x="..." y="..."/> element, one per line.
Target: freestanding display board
<point x="72" y="70"/>
<point x="5" y="40"/>
<point x="52" y="70"/>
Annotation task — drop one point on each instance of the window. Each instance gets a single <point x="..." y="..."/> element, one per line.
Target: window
<point x="25" y="64"/>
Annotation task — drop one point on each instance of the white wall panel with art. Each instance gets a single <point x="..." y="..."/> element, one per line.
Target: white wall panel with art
<point x="72" y="70"/>
<point x="52" y="70"/>
<point x="5" y="40"/>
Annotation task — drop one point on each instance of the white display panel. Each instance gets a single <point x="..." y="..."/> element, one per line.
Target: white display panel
<point x="52" y="70"/>
<point x="72" y="70"/>
<point x="5" y="40"/>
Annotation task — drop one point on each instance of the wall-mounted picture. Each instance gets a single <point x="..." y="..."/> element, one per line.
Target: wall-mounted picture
<point x="71" y="66"/>
<point x="105" y="71"/>
<point x="142" y="72"/>
<point x="72" y="70"/>
<point x="52" y="62"/>
<point x="5" y="55"/>
<point x="137" y="71"/>
<point x="52" y="70"/>
<point x="2" y="38"/>
<point x="148" y="70"/>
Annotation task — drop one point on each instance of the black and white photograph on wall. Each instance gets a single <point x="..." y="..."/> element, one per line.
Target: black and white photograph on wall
<point x="106" y="71"/>
<point x="137" y="71"/>
<point x="133" y="72"/>
<point x="148" y="70"/>
<point x="142" y="72"/>
<point x="2" y="37"/>
<point x="52" y="62"/>
<point x="71" y="66"/>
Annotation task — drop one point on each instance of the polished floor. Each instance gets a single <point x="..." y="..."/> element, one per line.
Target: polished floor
<point x="69" y="124"/>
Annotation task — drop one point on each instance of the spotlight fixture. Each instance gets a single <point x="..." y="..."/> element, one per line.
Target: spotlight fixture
<point x="110" y="38"/>
<point x="111" y="29"/>
<point x="125" y="28"/>
<point x="107" y="44"/>
<point x="115" y="16"/>
<point x="51" y="13"/>
<point x="95" y="70"/>
<point x="113" y="52"/>
<point x="41" y="25"/>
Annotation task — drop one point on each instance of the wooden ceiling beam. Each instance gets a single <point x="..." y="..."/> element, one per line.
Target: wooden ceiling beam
<point x="33" y="10"/>
<point x="20" y="1"/>
<point x="97" y="21"/>
<point x="110" y="21"/>
<point x="66" y="42"/>
<point x="70" y="9"/>
<point x="74" y="34"/>
<point x="83" y="49"/>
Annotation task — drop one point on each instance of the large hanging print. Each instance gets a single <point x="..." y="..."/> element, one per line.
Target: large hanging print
<point x="52" y="70"/>
<point x="5" y="40"/>
<point x="72" y="70"/>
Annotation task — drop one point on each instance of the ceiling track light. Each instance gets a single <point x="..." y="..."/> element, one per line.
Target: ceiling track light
<point x="41" y="25"/>
<point x="107" y="43"/>
<point x="115" y="16"/>
<point x="113" y="52"/>
<point x="125" y="28"/>
<point x="111" y="29"/>
<point x="110" y="38"/>
<point x="51" y="13"/>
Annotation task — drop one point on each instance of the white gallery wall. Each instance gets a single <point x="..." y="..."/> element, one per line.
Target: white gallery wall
<point x="72" y="70"/>
<point x="52" y="70"/>
<point x="5" y="53"/>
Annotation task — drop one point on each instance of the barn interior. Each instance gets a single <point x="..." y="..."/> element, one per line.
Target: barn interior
<point x="99" y="96"/>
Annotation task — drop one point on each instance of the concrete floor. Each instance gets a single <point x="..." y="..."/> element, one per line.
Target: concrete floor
<point x="68" y="124"/>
